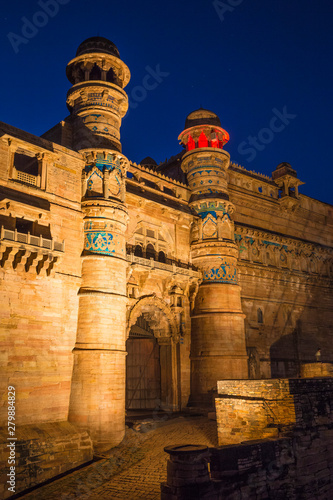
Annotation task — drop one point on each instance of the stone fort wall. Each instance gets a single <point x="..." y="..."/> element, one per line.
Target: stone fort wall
<point x="295" y="463"/>
<point x="39" y="277"/>
<point x="280" y="274"/>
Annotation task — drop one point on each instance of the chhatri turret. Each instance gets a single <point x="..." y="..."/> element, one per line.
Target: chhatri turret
<point x="98" y="102"/>
<point x="218" y="349"/>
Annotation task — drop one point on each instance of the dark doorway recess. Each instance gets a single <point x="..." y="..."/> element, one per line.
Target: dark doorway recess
<point x="143" y="371"/>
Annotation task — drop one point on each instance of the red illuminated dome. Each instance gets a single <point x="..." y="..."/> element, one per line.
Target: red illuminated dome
<point x="203" y="130"/>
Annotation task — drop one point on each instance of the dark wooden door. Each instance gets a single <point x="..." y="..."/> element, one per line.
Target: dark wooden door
<point x="143" y="373"/>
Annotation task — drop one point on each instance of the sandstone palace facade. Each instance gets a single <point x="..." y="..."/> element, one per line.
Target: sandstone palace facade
<point x="128" y="286"/>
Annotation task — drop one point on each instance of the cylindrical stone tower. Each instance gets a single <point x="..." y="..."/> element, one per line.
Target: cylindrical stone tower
<point x="97" y="103"/>
<point x="218" y="349"/>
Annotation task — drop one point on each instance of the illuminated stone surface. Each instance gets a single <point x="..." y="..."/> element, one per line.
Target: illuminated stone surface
<point x="225" y="272"/>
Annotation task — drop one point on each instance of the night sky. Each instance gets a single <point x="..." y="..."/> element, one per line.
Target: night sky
<point x="247" y="60"/>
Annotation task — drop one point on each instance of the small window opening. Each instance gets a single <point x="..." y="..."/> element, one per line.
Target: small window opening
<point x="260" y="316"/>
<point x="25" y="163"/>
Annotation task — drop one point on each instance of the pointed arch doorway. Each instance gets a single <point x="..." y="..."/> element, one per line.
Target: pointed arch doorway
<point x="152" y="361"/>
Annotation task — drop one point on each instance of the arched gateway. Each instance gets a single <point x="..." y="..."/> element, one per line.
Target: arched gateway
<point x="152" y="356"/>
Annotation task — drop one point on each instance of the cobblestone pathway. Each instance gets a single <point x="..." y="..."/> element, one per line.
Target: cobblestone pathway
<point x="133" y="470"/>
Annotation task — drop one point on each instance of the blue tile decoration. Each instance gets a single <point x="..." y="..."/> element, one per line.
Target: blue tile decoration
<point x="239" y="238"/>
<point x="200" y="169"/>
<point x="90" y="180"/>
<point x="225" y="273"/>
<point x="99" y="242"/>
<point x="210" y="208"/>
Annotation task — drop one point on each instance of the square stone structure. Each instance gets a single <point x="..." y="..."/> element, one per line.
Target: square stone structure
<point x="140" y="286"/>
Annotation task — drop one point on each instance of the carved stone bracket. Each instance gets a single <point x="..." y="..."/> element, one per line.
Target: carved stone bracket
<point x="26" y="257"/>
<point x="30" y="260"/>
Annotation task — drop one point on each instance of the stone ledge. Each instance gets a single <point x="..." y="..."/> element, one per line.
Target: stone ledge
<point x="42" y="452"/>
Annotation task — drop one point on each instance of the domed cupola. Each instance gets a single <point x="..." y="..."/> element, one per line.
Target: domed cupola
<point x="98" y="58"/>
<point x="203" y="129"/>
<point x="97" y="44"/>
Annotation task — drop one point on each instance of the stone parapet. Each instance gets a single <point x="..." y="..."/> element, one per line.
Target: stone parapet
<point x="42" y="452"/>
<point x="309" y="370"/>
<point x="256" y="409"/>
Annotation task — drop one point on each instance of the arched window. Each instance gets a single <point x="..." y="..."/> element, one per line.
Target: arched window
<point x="190" y="143"/>
<point x="110" y="76"/>
<point x="260" y="316"/>
<point x="138" y="251"/>
<point x="161" y="256"/>
<point x="150" y="252"/>
<point x="203" y="141"/>
<point x="78" y="74"/>
<point x="95" y="73"/>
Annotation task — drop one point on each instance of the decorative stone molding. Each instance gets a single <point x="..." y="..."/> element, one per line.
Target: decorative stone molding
<point x="268" y="249"/>
<point x="104" y="174"/>
<point x="151" y="303"/>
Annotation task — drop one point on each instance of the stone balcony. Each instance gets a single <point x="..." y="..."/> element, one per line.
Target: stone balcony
<point x="29" y="253"/>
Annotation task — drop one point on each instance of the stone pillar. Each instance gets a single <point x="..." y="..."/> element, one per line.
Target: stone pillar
<point x="98" y="385"/>
<point x="218" y="348"/>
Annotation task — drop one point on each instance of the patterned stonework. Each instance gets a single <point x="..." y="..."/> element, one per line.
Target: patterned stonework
<point x="209" y="227"/>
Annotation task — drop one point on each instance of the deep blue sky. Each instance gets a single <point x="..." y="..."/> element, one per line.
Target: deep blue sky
<point x="258" y="56"/>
